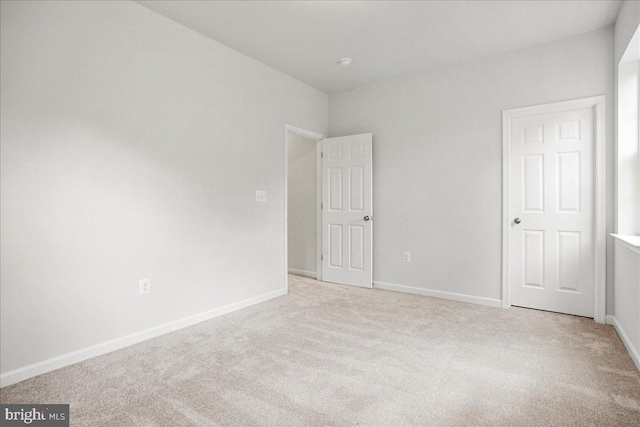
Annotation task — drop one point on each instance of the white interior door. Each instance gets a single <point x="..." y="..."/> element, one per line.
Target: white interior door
<point x="347" y="210"/>
<point x="551" y="203"/>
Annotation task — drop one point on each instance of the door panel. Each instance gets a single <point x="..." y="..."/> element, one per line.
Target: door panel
<point x="335" y="245"/>
<point x="356" y="247"/>
<point x="569" y="261"/>
<point x="533" y="258"/>
<point x="569" y="182"/>
<point x="551" y="192"/>
<point x="356" y="189"/>
<point x="533" y="183"/>
<point x="335" y="189"/>
<point x="347" y="238"/>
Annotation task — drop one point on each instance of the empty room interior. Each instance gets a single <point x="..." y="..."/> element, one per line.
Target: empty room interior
<point x="318" y="213"/>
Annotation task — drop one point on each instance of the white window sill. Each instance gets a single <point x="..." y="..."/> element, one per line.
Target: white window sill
<point x="630" y="241"/>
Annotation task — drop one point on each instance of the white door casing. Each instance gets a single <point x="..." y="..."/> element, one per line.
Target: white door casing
<point x="347" y="214"/>
<point x="554" y="259"/>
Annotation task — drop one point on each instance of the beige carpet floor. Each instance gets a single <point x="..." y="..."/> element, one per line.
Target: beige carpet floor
<point x="338" y="355"/>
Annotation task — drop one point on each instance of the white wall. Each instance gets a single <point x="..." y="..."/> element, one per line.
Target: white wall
<point x="131" y="148"/>
<point x="438" y="152"/>
<point x="302" y="201"/>
<point x="627" y="297"/>
<point x="625" y="27"/>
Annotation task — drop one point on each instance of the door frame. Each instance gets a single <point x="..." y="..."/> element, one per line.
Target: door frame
<point x="599" y="184"/>
<point x="318" y="137"/>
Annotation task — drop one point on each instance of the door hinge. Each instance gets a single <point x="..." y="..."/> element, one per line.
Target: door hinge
<point x="321" y="155"/>
<point x="321" y="206"/>
<point x="321" y="257"/>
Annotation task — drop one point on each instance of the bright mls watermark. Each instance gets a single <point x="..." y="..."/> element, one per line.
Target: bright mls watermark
<point x="34" y="415"/>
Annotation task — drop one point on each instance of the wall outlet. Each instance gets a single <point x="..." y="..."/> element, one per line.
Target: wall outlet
<point x="406" y="256"/>
<point x="261" y="196"/>
<point x="145" y="286"/>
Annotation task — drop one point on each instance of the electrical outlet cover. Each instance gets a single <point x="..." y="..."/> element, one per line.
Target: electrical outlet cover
<point x="145" y="286"/>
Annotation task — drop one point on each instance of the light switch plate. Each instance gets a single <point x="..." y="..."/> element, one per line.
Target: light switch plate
<point x="261" y="196"/>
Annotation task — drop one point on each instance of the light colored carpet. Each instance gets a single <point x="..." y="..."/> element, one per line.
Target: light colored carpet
<point x="338" y="355"/>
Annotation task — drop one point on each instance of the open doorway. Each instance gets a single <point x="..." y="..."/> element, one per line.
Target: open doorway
<point x="303" y="202"/>
<point x="334" y="244"/>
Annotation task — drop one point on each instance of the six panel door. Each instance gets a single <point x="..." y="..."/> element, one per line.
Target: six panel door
<point x="347" y="210"/>
<point x="551" y="207"/>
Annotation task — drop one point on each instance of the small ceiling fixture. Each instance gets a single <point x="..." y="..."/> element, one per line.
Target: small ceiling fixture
<point x="345" y="62"/>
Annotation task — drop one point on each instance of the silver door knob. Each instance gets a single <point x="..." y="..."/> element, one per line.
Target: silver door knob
<point x="366" y="218"/>
<point x="517" y="220"/>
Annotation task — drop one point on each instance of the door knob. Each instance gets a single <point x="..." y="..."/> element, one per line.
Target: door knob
<point x="366" y="218"/>
<point x="517" y="220"/>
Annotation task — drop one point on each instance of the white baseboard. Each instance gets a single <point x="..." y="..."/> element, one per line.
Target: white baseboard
<point x="633" y="352"/>
<point x="304" y="273"/>
<point x="439" y="294"/>
<point x="58" y="362"/>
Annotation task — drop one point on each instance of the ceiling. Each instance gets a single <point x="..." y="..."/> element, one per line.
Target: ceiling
<point x="385" y="39"/>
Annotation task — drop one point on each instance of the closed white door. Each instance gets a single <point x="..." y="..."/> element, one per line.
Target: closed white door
<point x="552" y="211"/>
<point x="347" y="210"/>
